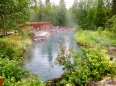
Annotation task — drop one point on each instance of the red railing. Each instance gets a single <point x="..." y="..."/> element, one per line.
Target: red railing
<point x="36" y="25"/>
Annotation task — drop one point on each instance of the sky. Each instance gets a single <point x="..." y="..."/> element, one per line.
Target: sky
<point x="68" y="2"/>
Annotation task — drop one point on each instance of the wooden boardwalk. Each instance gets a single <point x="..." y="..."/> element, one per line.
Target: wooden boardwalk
<point x="8" y="33"/>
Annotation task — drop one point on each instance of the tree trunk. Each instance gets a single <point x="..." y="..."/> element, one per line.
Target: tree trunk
<point x="4" y="26"/>
<point x="5" y="31"/>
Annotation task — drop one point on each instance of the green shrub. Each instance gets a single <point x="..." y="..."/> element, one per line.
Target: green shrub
<point x="8" y="50"/>
<point x="100" y="29"/>
<point x="11" y="68"/>
<point x="97" y="61"/>
<point x="11" y="51"/>
<point x="111" y="26"/>
<point x="90" y="65"/>
<point x="25" y="32"/>
<point x="32" y="80"/>
<point x="64" y="58"/>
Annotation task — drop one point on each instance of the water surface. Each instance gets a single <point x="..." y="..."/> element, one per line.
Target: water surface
<point x="41" y="56"/>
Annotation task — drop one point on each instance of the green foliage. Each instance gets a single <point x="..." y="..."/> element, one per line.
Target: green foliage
<point x="11" y="50"/>
<point x="100" y="29"/>
<point x="56" y="14"/>
<point x="99" y="14"/>
<point x="111" y="26"/>
<point x="91" y="14"/>
<point x="61" y="14"/>
<point x="25" y="32"/>
<point x="13" y="47"/>
<point x="83" y="37"/>
<point x="113" y="10"/>
<point x="7" y="50"/>
<point x="97" y="62"/>
<point x="80" y="13"/>
<point x="90" y="65"/>
<point x="11" y="68"/>
<point x="64" y="58"/>
<point x="14" y="12"/>
<point x="32" y="80"/>
<point x="88" y="37"/>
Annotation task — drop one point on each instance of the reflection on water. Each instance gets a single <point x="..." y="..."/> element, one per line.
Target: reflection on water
<point x="41" y="56"/>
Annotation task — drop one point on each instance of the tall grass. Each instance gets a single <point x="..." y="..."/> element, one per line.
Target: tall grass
<point x="88" y="37"/>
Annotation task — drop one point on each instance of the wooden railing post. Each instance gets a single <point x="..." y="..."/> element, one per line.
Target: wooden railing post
<point x="1" y="80"/>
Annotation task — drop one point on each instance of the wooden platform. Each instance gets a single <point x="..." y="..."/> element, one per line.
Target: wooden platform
<point x="8" y="33"/>
<point x="40" y="35"/>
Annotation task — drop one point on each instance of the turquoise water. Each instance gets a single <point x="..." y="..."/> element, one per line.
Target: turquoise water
<point x="41" y="55"/>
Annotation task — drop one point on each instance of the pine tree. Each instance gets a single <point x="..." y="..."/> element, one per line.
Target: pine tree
<point x="113" y="7"/>
<point x="47" y="1"/>
<point x="62" y="13"/>
<point x="62" y="2"/>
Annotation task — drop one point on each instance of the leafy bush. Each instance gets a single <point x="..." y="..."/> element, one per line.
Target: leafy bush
<point x="11" y="68"/>
<point x="13" y="46"/>
<point x="97" y="61"/>
<point x="11" y="51"/>
<point x="32" y="80"/>
<point x="90" y="65"/>
<point x="64" y="58"/>
<point x="25" y="32"/>
<point x="111" y="26"/>
<point x="8" y="50"/>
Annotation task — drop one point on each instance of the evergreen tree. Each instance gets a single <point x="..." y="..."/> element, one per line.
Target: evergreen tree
<point x="62" y="13"/>
<point x="108" y="9"/>
<point x="13" y="12"/>
<point x="40" y="11"/>
<point x="113" y="7"/>
<point x="100" y="17"/>
<point x="47" y="2"/>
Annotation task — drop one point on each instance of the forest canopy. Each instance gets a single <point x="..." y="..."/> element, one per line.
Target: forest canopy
<point x="87" y="14"/>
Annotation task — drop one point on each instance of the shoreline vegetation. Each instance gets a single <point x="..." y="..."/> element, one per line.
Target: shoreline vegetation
<point x="12" y="50"/>
<point x="94" y="38"/>
<point x="98" y="48"/>
<point x="103" y="39"/>
<point x="95" y="45"/>
<point x="95" y="22"/>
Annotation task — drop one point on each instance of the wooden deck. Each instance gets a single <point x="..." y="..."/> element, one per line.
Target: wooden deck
<point x="40" y="35"/>
<point x="8" y="33"/>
